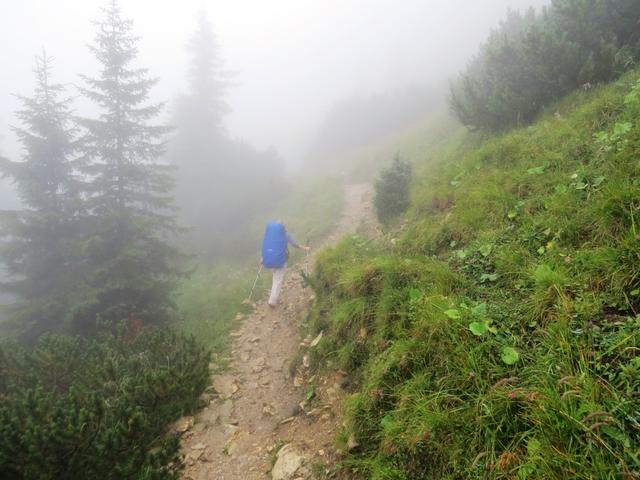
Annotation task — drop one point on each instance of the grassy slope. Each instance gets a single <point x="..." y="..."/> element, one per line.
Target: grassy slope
<point x="211" y="297"/>
<point x="497" y="336"/>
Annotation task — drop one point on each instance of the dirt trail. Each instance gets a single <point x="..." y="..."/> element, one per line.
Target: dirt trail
<point x="258" y="409"/>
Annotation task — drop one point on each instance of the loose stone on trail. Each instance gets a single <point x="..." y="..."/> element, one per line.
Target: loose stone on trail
<point x="182" y="425"/>
<point x="316" y="340"/>
<point x="288" y="461"/>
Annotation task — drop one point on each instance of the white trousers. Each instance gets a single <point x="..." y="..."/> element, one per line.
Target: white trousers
<point x="276" y="285"/>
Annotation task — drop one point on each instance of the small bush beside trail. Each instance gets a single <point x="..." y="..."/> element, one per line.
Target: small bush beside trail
<point x="392" y="190"/>
<point x="73" y="408"/>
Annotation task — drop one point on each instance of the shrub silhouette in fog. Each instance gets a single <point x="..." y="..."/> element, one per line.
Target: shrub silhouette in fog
<point x="392" y="190"/>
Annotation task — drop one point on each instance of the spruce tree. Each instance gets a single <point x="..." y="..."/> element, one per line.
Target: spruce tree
<point x="133" y="266"/>
<point x="41" y="247"/>
<point x="222" y="184"/>
<point x="203" y="108"/>
<point x="199" y="147"/>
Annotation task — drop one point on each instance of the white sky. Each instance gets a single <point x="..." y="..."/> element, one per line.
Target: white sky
<point x="292" y="58"/>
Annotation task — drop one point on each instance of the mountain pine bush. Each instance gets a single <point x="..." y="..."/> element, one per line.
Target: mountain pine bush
<point x="74" y="408"/>
<point x="392" y="190"/>
<point x="533" y="59"/>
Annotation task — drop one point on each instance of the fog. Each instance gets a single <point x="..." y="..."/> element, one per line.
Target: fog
<point x="266" y="99"/>
<point x="291" y="59"/>
<point x="278" y="93"/>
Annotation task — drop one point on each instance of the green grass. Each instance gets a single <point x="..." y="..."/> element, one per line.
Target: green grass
<point x="209" y="300"/>
<point x="497" y="335"/>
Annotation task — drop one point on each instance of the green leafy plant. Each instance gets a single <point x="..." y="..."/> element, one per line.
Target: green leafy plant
<point x="509" y="355"/>
<point x="481" y="327"/>
<point x="481" y="323"/>
<point x="453" y="314"/>
<point x="488" y="277"/>
<point x="538" y="170"/>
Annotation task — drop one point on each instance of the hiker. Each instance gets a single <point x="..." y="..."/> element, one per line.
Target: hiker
<point x="275" y="253"/>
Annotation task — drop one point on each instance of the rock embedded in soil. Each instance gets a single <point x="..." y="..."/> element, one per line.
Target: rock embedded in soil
<point x="193" y="456"/>
<point x="233" y="444"/>
<point x="269" y="410"/>
<point x="225" y="385"/>
<point x="288" y="461"/>
<point x="182" y="425"/>
<point x="226" y="410"/>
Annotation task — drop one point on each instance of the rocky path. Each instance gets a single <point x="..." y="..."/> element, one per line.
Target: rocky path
<point x="259" y="424"/>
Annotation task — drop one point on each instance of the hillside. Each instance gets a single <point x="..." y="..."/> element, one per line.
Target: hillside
<point x="493" y="333"/>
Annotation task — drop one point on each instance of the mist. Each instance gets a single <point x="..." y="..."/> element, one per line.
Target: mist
<point x="290" y="60"/>
<point x="251" y="106"/>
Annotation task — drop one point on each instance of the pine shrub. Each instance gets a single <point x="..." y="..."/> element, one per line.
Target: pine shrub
<point x="74" y="408"/>
<point x="533" y="59"/>
<point x="392" y="190"/>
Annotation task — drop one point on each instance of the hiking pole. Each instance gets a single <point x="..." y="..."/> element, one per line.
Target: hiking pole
<point x="254" y="283"/>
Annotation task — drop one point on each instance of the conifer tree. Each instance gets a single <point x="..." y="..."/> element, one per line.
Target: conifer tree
<point x="202" y="109"/>
<point x="199" y="146"/>
<point x="211" y="166"/>
<point x="133" y="267"/>
<point x="41" y="248"/>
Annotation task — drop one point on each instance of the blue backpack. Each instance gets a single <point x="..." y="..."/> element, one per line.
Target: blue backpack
<point x="274" y="246"/>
